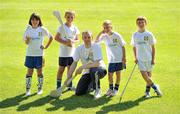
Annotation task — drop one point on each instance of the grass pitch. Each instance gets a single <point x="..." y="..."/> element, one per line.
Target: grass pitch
<point x="163" y="21"/>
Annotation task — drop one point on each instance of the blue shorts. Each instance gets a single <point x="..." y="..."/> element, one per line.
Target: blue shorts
<point x="113" y="67"/>
<point x="34" y="61"/>
<point x="65" y="61"/>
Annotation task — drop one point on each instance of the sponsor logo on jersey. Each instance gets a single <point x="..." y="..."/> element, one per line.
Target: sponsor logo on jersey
<point x="35" y="38"/>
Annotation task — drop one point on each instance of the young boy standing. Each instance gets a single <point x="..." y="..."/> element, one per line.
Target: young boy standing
<point x="116" y="55"/>
<point x="143" y="43"/>
<point x="67" y="45"/>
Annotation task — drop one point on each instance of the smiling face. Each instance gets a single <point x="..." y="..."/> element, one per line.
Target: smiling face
<point x="34" y="22"/>
<point x="69" y="17"/>
<point x="141" y="23"/>
<point x="107" y="28"/>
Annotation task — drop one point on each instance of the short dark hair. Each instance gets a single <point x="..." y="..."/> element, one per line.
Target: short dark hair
<point x="37" y="17"/>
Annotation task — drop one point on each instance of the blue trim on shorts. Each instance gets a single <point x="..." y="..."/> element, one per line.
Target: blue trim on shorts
<point x="33" y="62"/>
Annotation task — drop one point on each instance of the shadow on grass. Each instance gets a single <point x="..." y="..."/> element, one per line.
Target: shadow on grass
<point x="122" y="106"/>
<point x="74" y="102"/>
<point x="70" y="103"/>
<point x="14" y="101"/>
<point x="37" y="103"/>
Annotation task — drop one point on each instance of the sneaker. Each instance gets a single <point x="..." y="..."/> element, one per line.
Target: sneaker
<point x="114" y="93"/>
<point x="147" y="95"/>
<point x="28" y="93"/>
<point x="109" y="92"/>
<point x="72" y="88"/>
<point x="158" y="91"/>
<point x="97" y="93"/>
<point x="40" y="91"/>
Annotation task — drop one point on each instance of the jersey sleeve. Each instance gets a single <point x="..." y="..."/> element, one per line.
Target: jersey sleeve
<point x="47" y="33"/>
<point x="77" y="31"/>
<point x="121" y="40"/>
<point x="133" y="43"/>
<point x="152" y="40"/>
<point x="59" y="30"/>
<point x="97" y="53"/>
<point x="26" y="33"/>
<point x="76" y="55"/>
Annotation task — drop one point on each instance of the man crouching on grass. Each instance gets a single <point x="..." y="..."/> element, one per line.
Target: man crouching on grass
<point x="93" y="67"/>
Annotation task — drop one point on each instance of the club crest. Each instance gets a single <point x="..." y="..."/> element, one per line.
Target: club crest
<point x="39" y="33"/>
<point x="145" y="38"/>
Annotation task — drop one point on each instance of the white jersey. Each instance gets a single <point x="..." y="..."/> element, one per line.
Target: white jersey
<point x="89" y="55"/>
<point x="72" y="32"/>
<point x="114" y="45"/>
<point x="143" y="42"/>
<point x="36" y="40"/>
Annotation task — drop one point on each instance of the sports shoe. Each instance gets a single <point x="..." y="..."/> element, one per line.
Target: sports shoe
<point x="158" y="91"/>
<point x="40" y="91"/>
<point x="97" y="93"/>
<point x="114" y="93"/>
<point x="109" y="92"/>
<point x="147" y="95"/>
<point x="28" y="92"/>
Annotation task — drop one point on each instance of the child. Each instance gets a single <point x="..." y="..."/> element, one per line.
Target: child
<point x="144" y="52"/>
<point x="34" y="37"/>
<point x="67" y="45"/>
<point x="116" y="55"/>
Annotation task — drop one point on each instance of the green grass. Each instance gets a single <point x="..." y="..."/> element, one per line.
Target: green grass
<point x="163" y="20"/>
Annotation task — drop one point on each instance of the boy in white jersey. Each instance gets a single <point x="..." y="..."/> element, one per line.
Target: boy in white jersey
<point x="115" y="48"/>
<point x="91" y="57"/>
<point x="34" y="37"/>
<point x="144" y="52"/>
<point x="67" y="45"/>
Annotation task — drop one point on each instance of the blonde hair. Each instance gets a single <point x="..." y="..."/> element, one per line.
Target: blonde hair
<point x="141" y="18"/>
<point x="107" y="22"/>
<point x="69" y="12"/>
<point x="87" y="32"/>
